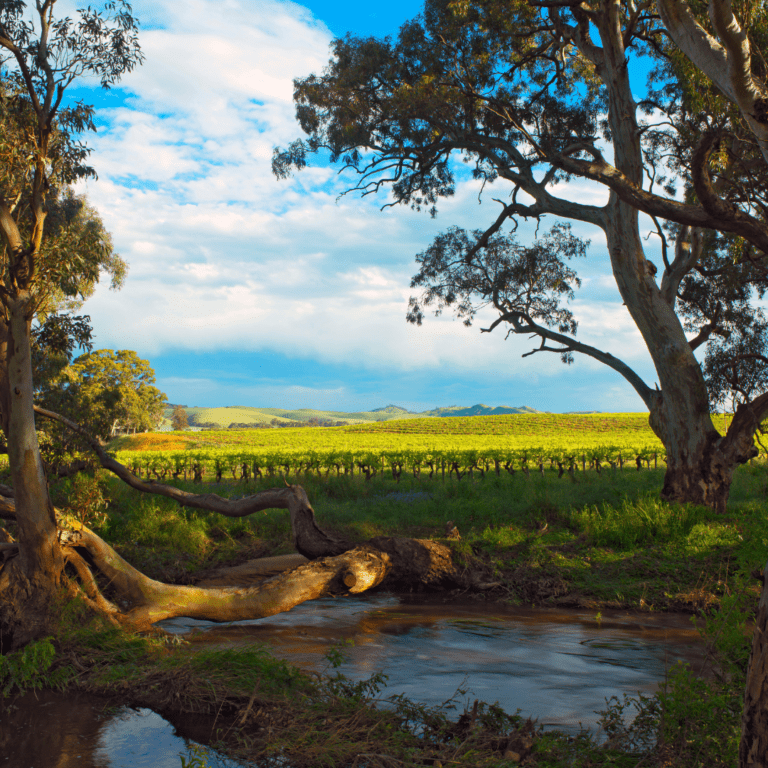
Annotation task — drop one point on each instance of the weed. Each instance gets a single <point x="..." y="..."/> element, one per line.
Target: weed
<point x="197" y="757"/>
<point x="30" y="668"/>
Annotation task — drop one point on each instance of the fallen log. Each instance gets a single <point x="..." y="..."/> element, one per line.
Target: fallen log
<point x="336" y="566"/>
<point x="146" y="601"/>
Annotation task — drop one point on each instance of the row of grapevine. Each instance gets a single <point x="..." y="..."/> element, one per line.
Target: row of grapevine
<point x="219" y="464"/>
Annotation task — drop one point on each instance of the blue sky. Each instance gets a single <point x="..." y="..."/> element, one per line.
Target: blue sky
<point x="245" y="290"/>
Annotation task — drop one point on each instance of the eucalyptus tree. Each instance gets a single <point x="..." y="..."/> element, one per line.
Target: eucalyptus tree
<point x="108" y="391"/>
<point x="534" y="93"/>
<point x="40" y="57"/>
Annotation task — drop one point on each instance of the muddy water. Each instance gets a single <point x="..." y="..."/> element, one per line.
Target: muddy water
<point x="45" y="729"/>
<point x="556" y="666"/>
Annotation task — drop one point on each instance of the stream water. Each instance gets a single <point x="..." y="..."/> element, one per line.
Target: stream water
<point x="558" y="666"/>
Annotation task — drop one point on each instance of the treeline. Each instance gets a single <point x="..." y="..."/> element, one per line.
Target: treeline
<point x="313" y="422"/>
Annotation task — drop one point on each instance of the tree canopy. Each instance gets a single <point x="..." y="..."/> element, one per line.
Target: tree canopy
<point x="108" y="392"/>
<point x="532" y="94"/>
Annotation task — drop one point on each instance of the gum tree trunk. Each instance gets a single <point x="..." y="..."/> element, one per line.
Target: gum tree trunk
<point x="700" y="463"/>
<point x="29" y="581"/>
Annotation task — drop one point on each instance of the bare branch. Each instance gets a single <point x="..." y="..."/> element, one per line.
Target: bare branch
<point x="570" y="344"/>
<point x="309" y="539"/>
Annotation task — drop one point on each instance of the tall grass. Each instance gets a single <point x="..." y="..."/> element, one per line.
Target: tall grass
<point x="636" y="522"/>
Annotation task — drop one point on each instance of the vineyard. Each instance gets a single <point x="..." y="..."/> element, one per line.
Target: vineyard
<point x="430" y="448"/>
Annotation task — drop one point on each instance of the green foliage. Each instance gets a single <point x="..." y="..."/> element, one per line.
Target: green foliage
<point x="637" y="522"/>
<point x="107" y="391"/>
<point x="336" y="654"/>
<point x="197" y="757"/>
<point x="30" y="668"/>
<point x="85" y="499"/>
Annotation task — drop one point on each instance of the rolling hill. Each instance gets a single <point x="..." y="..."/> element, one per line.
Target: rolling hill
<point x="222" y="418"/>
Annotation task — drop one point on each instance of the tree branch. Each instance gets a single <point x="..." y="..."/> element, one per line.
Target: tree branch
<point x="687" y="255"/>
<point x="642" y="389"/>
<point x="309" y="539"/>
<point x="737" y="222"/>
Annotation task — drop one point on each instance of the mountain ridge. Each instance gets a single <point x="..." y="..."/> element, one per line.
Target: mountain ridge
<point x="234" y="416"/>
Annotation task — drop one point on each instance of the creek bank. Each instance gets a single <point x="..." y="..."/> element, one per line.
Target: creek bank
<point x="558" y="666"/>
<point x="76" y="729"/>
<point x="480" y="577"/>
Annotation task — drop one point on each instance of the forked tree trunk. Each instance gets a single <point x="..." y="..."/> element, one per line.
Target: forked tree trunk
<point x="753" y="748"/>
<point x="700" y="461"/>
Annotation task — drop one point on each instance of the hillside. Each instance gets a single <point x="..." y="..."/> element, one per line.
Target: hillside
<point x="244" y="416"/>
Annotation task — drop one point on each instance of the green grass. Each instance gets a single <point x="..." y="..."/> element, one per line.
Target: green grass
<point x="592" y="540"/>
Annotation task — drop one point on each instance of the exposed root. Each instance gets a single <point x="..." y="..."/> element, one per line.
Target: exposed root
<point x="89" y="585"/>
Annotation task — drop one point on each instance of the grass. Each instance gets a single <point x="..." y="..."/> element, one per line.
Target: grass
<point x="601" y="541"/>
<point x="596" y="541"/>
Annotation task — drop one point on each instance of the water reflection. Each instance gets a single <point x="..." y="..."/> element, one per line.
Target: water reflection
<point x="46" y="729"/>
<point x="557" y="666"/>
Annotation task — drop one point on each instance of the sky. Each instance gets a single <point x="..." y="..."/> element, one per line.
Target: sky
<point x="245" y="290"/>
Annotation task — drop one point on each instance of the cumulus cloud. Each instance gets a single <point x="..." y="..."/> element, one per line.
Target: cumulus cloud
<point x="223" y="256"/>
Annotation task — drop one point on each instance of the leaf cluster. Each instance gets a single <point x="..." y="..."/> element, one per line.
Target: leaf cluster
<point x="523" y="283"/>
<point x="106" y="391"/>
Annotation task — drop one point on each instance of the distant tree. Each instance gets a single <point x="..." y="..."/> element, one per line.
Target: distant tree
<point x="110" y="392"/>
<point x="179" y="418"/>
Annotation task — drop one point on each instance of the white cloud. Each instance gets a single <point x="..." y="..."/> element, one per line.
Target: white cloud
<point x="223" y="256"/>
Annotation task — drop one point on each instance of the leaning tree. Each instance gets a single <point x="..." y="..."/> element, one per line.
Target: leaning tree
<point x="48" y="257"/>
<point x="534" y="93"/>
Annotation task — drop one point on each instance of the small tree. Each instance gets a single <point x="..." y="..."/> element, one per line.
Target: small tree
<point x="110" y="391"/>
<point x="179" y="418"/>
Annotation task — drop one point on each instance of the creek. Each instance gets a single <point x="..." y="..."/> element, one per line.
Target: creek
<point x="557" y="666"/>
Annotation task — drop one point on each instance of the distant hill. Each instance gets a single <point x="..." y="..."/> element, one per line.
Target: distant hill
<point x="244" y="416"/>
<point x="478" y="410"/>
<point x="391" y="409"/>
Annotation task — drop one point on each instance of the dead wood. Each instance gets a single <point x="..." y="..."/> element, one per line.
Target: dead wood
<point x="309" y="539"/>
<point x="335" y="566"/>
<point x="251" y="571"/>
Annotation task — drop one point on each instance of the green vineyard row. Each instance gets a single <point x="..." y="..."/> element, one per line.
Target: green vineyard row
<point x="245" y="464"/>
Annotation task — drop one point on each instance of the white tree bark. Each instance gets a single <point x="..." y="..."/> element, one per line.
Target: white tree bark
<point x="725" y="59"/>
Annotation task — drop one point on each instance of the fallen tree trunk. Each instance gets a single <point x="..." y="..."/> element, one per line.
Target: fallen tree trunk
<point x="141" y="601"/>
<point x="336" y="566"/>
